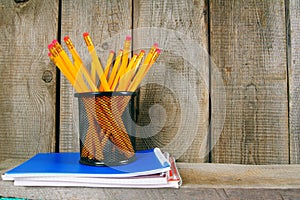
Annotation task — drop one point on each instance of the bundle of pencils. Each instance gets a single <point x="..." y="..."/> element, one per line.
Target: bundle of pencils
<point x="121" y="73"/>
<point x="124" y="74"/>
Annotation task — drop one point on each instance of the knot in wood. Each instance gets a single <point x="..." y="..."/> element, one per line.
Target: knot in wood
<point x="21" y="1"/>
<point x="47" y="76"/>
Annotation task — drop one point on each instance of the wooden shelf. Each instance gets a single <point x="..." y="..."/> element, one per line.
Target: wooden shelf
<point x="200" y="181"/>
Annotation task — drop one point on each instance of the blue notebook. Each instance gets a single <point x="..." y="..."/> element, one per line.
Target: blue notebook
<point x="67" y="165"/>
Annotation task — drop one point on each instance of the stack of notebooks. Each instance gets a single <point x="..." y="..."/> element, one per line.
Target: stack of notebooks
<point x="151" y="169"/>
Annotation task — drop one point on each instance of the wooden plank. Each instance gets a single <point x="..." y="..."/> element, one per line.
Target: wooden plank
<point x="239" y="176"/>
<point x="27" y="78"/>
<point x="108" y="23"/>
<point x="248" y="45"/>
<point x="214" y="181"/>
<point x="173" y="106"/>
<point x="294" y="74"/>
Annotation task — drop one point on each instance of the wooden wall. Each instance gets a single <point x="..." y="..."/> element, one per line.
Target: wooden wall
<point x="27" y="78"/>
<point x="248" y="45"/>
<point x="238" y="105"/>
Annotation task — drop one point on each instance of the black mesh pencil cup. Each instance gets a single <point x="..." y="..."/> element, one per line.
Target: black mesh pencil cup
<point x="106" y="128"/>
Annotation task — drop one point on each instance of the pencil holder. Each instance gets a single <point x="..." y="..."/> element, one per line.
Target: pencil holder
<point x="106" y="128"/>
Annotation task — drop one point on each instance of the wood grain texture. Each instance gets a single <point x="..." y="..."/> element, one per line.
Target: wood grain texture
<point x="214" y="181"/>
<point x="294" y="80"/>
<point x="173" y="108"/>
<point x="108" y="23"/>
<point x="27" y="78"/>
<point x="239" y="176"/>
<point x="248" y="45"/>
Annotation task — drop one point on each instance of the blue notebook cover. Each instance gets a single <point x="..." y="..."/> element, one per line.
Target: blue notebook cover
<point x="67" y="164"/>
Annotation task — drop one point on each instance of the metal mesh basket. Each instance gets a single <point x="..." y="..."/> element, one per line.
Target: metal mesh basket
<point x="106" y="128"/>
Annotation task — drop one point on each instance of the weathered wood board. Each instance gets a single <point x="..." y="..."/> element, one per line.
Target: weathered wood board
<point x="173" y="109"/>
<point x="248" y="46"/>
<point x="27" y="78"/>
<point x="294" y="79"/>
<point x="254" y="47"/>
<point x="108" y="23"/>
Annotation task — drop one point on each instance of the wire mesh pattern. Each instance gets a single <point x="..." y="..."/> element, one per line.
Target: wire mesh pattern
<point x="104" y="124"/>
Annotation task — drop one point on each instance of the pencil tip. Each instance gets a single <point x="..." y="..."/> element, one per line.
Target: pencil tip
<point x="85" y="34"/>
<point x="66" y="38"/>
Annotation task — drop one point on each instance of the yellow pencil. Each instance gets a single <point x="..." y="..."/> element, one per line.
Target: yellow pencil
<point x="108" y="66"/>
<point x="115" y="68"/>
<point x="81" y="69"/>
<point x="143" y="70"/>
<point x="131" y="62"/>
<point x="131" y="72"/>
<point x="125" y="79"/>
<point x="124" y="63"/>
<point x="126" y="52"/>
<point x="69" y="65"/>
<point x="152" y="51"/>
<point x="109" y="63"/>
<point x="73" y="69"/>
<point x="138" y="60"/>
<point x="62" y="66"/>
<point x="96" y="65"/>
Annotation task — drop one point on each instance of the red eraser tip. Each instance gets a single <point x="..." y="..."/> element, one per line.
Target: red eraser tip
<point x="54" y="41"/>
<point x="50" y="46"/>
<point x="158" y="51"/>
<point x="111" y="51"/>
<point x="128" y="37"/>
<point x="49" y="54"/>
<point x="85" y="34"/>
<point x="66" y="38"/>
<point x="142" y="51"/>
<point x="155" y="44"/>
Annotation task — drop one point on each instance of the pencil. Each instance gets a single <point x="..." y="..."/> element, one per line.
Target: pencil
<point x="126" y="51"/>
<point x="64" y="57"/>
<point x="125" y="79"/>
<point x="96" y="65"/>
<point x="108" y="66"/>
<point x="124" y="63"/>
<point x="115" y="68"/>
<point x="144" y="69"/>
<point x="57" y="60"/>
<point x="82" y="71"/>
<point x="109" y="63"/>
